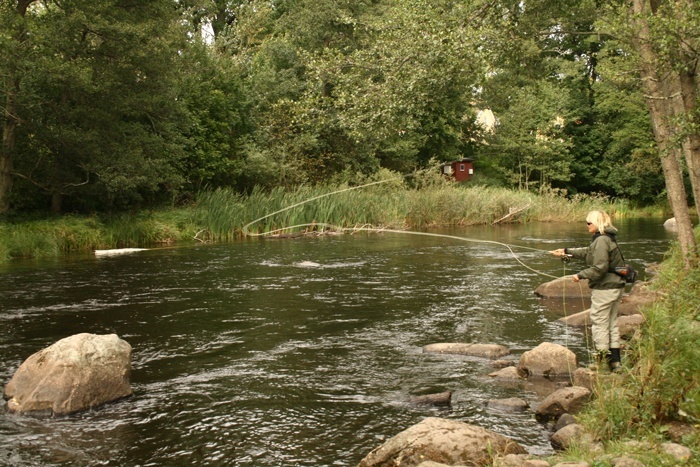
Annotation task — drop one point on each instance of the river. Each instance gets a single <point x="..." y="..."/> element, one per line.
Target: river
<point x="296" y="352"/>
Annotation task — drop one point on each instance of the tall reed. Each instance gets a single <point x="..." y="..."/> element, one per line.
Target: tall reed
<point x="221" y="214"/>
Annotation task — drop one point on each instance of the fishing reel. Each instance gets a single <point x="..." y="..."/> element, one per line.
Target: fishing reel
<point x="566" y="258"/>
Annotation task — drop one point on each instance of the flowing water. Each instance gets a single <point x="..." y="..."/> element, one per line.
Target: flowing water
<point x="292" y="352"/>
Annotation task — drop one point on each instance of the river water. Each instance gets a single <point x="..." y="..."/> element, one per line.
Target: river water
<point x="297" y="352"/>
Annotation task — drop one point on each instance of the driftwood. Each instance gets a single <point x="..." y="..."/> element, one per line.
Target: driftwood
<point x="511" y="212"/>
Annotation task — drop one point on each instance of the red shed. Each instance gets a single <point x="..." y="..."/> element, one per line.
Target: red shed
<point x="460" y="170"/>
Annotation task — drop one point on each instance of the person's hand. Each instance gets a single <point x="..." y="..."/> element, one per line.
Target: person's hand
<point x="559" y="252"/>
<point x="575" y="278"/>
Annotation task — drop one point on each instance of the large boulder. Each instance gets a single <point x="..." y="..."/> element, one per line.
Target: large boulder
<point x="582" y="318"/>
<point x="566" y="400"/>
<point x="444" y="441"/>
<point x="475" y="350"/>
<point x="628" y="324"/>
<point x="547" y="360"/>
<point x="564" y="287"/>
<point x="570" y="435"/>
<point x="639" y="296"/>
<point x="74" y="374"/>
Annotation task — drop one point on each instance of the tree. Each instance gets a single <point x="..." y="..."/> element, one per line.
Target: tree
<point x="642" y="31"/>
<point x="101" y="115"/>
<point x="14" y="50"/>
<point x="529" y="145"/>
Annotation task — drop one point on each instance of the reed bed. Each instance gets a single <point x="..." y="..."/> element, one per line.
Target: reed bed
<point x="222" y="215"/>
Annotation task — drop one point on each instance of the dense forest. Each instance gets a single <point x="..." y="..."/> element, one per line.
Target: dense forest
<point x="112" y="105"/>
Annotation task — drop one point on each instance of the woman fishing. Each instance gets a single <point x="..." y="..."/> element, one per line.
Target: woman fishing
<point x="601" y="256"/>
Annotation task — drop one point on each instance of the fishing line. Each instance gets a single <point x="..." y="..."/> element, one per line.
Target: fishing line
<point x="247" y="232"/>
<point x="323" y="225"/>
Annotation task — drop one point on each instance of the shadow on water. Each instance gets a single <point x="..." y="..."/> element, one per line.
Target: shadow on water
<point x="294" y="352"/>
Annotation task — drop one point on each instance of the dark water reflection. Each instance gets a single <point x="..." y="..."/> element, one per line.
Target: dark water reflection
<point x="294" y="352"/>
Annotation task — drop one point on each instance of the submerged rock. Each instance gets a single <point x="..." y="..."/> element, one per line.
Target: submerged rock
<point x="441" y="398"/>
<point x="476" y="350"/>
<point x="76" y="373"/>
<point x="511" y="404"/>
<point x="444" y="441"/>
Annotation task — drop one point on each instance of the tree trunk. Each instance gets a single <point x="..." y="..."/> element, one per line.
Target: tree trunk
<point x="691" y="145"/>
<point x="10" y="118"/>
<point x="659" y="92"/>
<point x="56" y="202"/>
<point x="8" y="144"/>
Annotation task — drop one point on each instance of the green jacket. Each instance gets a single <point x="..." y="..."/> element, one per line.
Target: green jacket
<point x="601" y="256"/>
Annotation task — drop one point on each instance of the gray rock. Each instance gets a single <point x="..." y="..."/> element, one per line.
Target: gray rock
<point x="476" y="350"/>
<point x="76" y="373"/>
<point x="625" y="461"/>
<point x="582" y="318"/>
<point x="511" y="404"/>
<point x="629" y="324"/>
<point x="564" y="420"/>
<point x="444" y="441"/>
<point x="585" y="378"/>
<point x="677" y="451"/>
<point x="566" y="400"/>
<point x="547" y="360"/>
<point x="572" y="464"/>
<point x="564" y="287"/>
<point x="510" y="372"/>
<point x="567" y="436"/>
<point x="441" y="398"/>
<point x="503" y="363"/>
<point x="512" y="460"/>
<point x="639" y="296"/>
<point x="535" y="463"/>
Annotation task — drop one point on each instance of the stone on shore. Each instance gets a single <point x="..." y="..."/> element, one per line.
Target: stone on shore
<point x="443" y="441"/>
<point x="475" y="350"/>
<point x="628" y="325"/>
<point x="679" y="452"/>
<point x="566" y="400"/>
<point x="547" y="360"/>
<point x="585" y="377"/>
<point x="569" y="435"/>
<point x="76" y="373"/>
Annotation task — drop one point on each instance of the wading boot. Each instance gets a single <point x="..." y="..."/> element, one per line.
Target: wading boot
<point x="599" y="361"/>
<point x="614" y="360"/>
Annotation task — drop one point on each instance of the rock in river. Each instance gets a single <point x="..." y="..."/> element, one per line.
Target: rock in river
<point x="76" y="373"/>
<point x="441" y="440"/>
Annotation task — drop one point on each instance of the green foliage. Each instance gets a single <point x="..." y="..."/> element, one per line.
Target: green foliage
<point x="126" y="106"/>
<point x="529" y="145"/>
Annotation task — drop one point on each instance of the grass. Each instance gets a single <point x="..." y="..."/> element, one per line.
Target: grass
<point x="221" y="215"/>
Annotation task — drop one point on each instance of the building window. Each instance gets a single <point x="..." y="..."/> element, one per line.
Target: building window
<point x="461" y="167"/>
